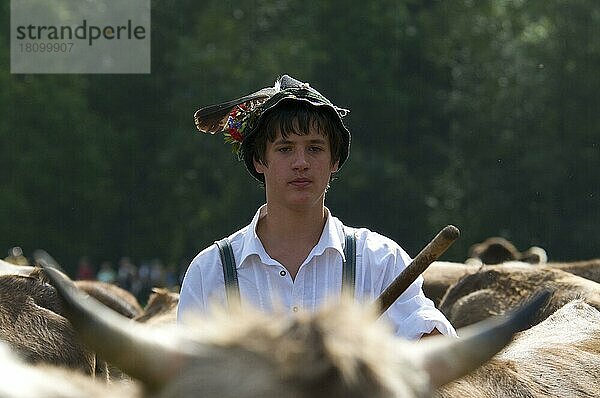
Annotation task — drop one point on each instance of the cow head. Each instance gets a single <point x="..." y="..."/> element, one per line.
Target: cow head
<point x="339" y="351"/>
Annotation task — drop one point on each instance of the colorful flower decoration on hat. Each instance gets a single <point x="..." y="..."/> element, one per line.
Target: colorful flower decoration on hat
<point x="237" y="122"/>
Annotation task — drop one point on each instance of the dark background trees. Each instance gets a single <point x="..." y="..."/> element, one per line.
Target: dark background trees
<point x="483" y="114"/>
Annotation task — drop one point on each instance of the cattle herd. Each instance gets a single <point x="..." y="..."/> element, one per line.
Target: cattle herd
<point x="527" y="328"/>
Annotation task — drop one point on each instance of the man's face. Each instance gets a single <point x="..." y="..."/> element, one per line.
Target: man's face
<point x="297" y="170"/>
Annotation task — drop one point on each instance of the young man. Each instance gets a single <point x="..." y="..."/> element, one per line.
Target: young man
<point x="295" y="254"/>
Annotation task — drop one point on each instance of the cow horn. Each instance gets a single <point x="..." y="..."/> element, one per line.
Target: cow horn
<point x="447" y="359"/>
<point x="42" y="257"/>
<point x="149" y="355"/>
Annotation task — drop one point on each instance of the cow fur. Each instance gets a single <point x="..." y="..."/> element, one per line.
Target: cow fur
<point x="588" y="269"/>
<point x="161" y="308"/>
<point x="560" y="357"/>
<point x="440" y="275"/>
<point x="495" y="289"/>
<point x="322" y="355"/>
<point x="119" y="299"/>
<point x="497" y="250"/>
<point x="32" y="322"/>
<point x="494" y="250"/>
<point x="24" y="380"/>
<point x="339" y="351"/>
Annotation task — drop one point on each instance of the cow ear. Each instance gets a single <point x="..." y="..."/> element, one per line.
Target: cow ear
<point x="447" y="359"/>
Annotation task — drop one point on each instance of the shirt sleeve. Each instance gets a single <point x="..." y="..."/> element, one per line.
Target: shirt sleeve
<point x="412" y="314"/>
<point x="202" y="285"/>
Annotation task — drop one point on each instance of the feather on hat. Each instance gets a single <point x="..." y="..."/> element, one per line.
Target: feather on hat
<point x="238" y="119"/>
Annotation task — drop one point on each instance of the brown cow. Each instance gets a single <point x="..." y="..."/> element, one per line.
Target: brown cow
<point x="494" y="250"/>
<point x="497" y="288"/>
<point x="161" y="308"/>
<point x="588" y="269"/>
<point x="338" y="352"/>
<point x="559" y="357"/>
<point x="497" y="250"/>
<point x="16" y="257"/>
<point x="113" y="296"/>
<point x="23" y="380"/>
<point x="534" y="255"/>
<point x="38" y="321"/>
<point x="32" y="322"/>
<point x="441" y="275"/>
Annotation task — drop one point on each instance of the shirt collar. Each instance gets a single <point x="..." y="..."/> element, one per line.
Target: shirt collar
<point x="332" y="237"/>
<point x="251" y="243"/>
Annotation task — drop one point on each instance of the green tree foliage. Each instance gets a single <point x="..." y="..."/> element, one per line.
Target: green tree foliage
<point x="477" y="113"/>
<point x="522" y="129"/>
<point x="58" y="189"/>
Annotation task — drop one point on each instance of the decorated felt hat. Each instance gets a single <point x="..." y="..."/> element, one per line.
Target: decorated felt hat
<point x="238" y="120"/>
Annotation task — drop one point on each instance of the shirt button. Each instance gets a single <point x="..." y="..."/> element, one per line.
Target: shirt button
<point x="295" y="309"/>
<point x="282" y="273"/>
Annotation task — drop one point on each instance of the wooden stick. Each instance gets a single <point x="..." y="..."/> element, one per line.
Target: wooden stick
<point x="440" y="243"/>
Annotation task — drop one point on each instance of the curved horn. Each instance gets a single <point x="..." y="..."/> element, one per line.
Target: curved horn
<point x="41" y="256"/>
<point x="141" y="352"/>
<point x="447" y="359"/>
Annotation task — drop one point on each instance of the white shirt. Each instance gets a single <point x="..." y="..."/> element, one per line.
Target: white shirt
<point x="265" y="283"/>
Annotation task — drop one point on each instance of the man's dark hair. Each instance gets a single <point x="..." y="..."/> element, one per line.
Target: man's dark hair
<point x="297" y="117"/>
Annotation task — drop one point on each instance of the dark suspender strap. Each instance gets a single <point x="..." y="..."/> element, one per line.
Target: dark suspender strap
<point x="232" y="287"/>
<point x="349" y="266"/>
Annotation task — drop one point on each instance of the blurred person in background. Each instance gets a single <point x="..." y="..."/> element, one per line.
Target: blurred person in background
<point x="126" y="274"/>
<point x="106" y="273"/>
<point x="85" y="269"/>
